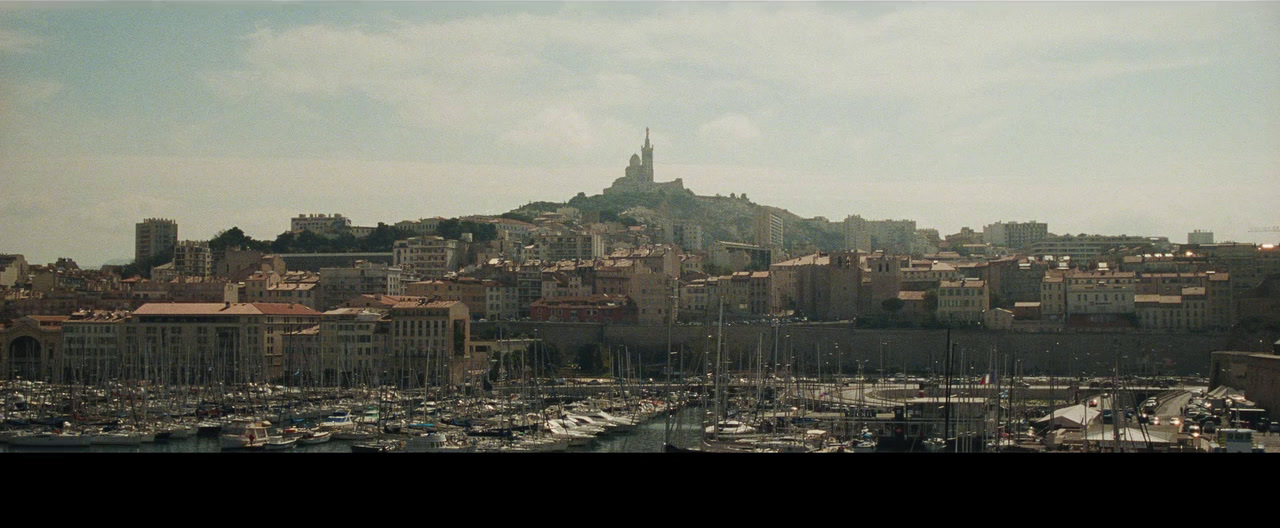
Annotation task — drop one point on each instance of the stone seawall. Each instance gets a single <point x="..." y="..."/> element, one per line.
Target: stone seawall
<point x="839" y="346"/>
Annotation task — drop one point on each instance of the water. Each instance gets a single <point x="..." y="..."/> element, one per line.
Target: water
<point x="646" y="438"/>
<point x="649" y="437"/>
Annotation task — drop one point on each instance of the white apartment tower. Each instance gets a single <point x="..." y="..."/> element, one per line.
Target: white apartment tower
<point x="1200" y="237"/>
<point x="1015" y="234"/>
<point x="192" y="258"/>
<point x="154" y="236"/>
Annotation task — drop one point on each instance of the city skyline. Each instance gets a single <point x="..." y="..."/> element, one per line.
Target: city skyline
<point x="1142" y="119"/>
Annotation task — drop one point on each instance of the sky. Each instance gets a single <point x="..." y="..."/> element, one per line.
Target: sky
<point x="1143" y="118"/>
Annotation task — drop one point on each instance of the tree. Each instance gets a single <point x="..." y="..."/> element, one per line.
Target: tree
<point x="715" y="270"/>
<point x="450" y="229"/>
<point x="590" y="359"/>
<point x="892" y="305"/>
<point x="517" y="216"/>
<point x="383" y="238"/>
<point x="143" y="269"/>
<point x="284" y="242"/>
<point x="931" y="300"/>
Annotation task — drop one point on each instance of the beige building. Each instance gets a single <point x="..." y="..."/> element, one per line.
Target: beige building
<point x="740" y="257"/>
<point x="896" y="237"/>
<point x="857" y="234"/>
<point x="1085" y="247"/>
<point x="192" y="258"/>
<point x="154" y="236"/>
<point x="997" y="319"/>
<point x="426" y="256"/>
<point x="1100" y="292"/>
<point x="566" y="246"/>
<point x="13" y="270"/>
<point x="884" y="280"/>
<point x="292" y="287"/>
<point x="430" y="342"/>
<point x="31" y="348"/>
<point x="420" y="227"/>
<point x="768" y="228"/>
<point x="353" y="344"/>
<point x="470" y="291"/>
<point x="503" y="301"/>
<point x="214" y="342"/>
<point x="1015" y="234"/>
<point x="1064" y="293"/>
<point x="319" y="223"/>
<point x="928" y="274"/>
<point x="92" y="347"/>
<point x="365" y="278"/>
<point x="963" y="301"/>
<point x="819" y="286"/>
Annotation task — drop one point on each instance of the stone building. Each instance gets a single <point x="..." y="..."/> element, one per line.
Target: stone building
<point x="638" y="177"/>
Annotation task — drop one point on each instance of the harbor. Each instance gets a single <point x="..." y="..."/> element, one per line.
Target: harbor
<point x="738" y="415"/>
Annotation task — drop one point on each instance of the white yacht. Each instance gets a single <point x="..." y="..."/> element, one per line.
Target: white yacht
<point x="338" y="421"/>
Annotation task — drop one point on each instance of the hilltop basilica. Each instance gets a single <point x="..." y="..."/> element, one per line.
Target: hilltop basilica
<point x="639" y="175"/>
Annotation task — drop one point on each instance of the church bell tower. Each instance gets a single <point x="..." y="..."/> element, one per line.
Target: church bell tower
<point x="646" y="161"/>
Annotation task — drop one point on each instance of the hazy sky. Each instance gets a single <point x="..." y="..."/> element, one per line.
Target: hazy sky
<point x="1141" y="119"/>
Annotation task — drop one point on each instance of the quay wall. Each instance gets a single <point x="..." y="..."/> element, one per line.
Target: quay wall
<point x="839" y="346"/>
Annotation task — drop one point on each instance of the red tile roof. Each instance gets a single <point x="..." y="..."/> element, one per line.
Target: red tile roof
<point x="224" y="309"/>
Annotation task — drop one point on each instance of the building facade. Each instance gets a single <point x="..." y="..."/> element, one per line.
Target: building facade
<point x="426" y="256"/>
<point x="154" y="236"/>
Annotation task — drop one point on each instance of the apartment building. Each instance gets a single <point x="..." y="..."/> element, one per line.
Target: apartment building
<point x="818" y="286"/>
<point x="192" y="258"/>
<point x="1015" y="235"/>
<point x="319" y="223"/>
<point x="768" y="229"/>
<point x="233" y="342"/>
<point x="426" y="257"/>
<point x="567" y="246"/>
<point x="154" y="236"/>
<point x="339" y="284"/>
<point x="353" y="345"/>
<point x="430" y="342"/>
<point x="963" y="301"/>
<point x="1086" y="247"/>
<point x="470" y="291"/>
<point x="589" y="309"/>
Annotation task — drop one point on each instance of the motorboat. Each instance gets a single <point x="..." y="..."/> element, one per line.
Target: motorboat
<point x="730" y="428"/>
<point x="381" y="446"/>
<point x="53" y="439"/>
<point x="252" y="437"/>
<point x="338" y="421"/>
<point x="353" y="434"/>
<point x="315" y="437"/>
<point x="436" y="443"/>
<point x="278" y="443"/>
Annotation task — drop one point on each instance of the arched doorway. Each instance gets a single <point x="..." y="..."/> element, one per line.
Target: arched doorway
<point x="25" y="358"/>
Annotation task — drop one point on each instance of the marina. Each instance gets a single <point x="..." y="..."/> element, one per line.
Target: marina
<point x="764" y="415"/>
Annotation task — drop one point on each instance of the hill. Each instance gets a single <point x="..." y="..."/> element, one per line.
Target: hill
<point x="722" y="218"/>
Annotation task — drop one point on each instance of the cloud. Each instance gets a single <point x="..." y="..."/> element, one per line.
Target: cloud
<point x="729" y="131"/>
<point x="17" y="96"/>
<point x="471" y="72"/>
<point x="17" y="41"/>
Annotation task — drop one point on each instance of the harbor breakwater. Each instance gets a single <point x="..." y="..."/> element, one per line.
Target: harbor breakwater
<point x="840" y="346"/>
